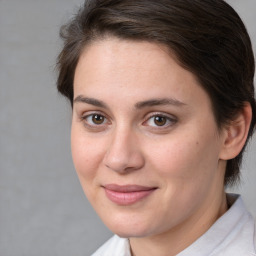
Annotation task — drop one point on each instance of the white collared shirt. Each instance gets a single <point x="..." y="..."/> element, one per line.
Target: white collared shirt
<point x="233" y="234"/>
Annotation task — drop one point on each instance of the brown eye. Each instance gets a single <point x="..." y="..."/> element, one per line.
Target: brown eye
<point x="95" y="121"/>
<point x="98" y="119"/>
<point x="160" y="120"/>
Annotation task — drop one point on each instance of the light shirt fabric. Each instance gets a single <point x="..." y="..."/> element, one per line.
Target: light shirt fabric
<point x="233" y="234"/>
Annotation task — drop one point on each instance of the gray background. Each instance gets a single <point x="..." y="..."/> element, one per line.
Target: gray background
<point x="42" y="208"/>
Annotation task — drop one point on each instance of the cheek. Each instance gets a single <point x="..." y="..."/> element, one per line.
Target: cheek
<point x="87" y="157"/>
<point x="85" y="153"/>
<point x="186" y="169"/>
<point x="185" y="158"/>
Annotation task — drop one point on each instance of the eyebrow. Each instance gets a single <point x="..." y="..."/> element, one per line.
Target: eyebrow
<point x="138" y="105"/>
<point x="157" y="102"/>
<point x="91" y="101"/>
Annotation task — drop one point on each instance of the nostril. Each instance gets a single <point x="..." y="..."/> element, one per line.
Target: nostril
<point x="116" y="165"/>
<point x="124" y="153"/>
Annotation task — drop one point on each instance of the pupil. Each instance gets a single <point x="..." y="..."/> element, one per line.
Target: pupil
<point x="98" y="119"/>
<point x="160" y="121"/>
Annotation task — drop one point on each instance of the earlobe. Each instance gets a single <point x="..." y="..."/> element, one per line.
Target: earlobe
<point x="236" y="132"/>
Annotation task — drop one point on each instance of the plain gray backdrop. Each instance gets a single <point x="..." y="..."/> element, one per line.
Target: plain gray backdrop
<point x="43" y="210"/>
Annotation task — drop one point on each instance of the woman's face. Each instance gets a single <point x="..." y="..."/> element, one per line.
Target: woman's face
<point x="145" y="144"/>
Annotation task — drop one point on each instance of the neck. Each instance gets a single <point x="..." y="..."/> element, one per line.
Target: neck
<point x="180" y="237"/>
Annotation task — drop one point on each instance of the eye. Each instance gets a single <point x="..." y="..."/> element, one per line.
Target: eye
<point x="97" y="119"/>
<point x="94" y="119"/>
<point x="160" y="120"/>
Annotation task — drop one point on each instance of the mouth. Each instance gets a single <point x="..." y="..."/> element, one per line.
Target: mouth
<point x="127" y="194"/>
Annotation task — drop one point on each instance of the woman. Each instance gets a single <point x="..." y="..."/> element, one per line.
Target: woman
<point x="163" y="106"/>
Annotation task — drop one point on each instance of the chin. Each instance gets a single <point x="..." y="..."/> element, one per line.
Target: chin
<point x="130" y="233"/>
<point x="127" y="227"/>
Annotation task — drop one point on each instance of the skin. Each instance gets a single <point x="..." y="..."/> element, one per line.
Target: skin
<point x="184" y="159"/>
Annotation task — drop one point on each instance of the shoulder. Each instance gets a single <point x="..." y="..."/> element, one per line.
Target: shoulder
<point x="240" y="227"/>
<point x="232" y="234"/>
<point x="115" y="246"/>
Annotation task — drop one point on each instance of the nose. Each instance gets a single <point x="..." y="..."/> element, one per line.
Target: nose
<point x="123" y="153"/>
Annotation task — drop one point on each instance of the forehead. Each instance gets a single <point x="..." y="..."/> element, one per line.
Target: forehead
<point x="142" y="70"/>
<point x="111" y="52"/>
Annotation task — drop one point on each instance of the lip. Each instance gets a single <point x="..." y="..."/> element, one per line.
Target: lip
<point x="127" y="194"/>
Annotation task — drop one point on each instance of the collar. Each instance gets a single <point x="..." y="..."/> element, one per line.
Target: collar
<point x="231" y="232"/>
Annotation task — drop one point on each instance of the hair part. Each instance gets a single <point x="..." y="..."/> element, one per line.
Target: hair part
<point x="207" y="37"/>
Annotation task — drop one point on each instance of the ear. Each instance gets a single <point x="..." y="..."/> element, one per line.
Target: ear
<point x="235" y="133"/>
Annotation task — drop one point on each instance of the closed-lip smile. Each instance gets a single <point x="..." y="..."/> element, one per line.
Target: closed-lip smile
<point x="127" y="194"/>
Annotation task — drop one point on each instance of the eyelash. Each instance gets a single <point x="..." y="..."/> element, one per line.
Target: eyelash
<point x="91" y="124"/>
<point x="168" y="120"/>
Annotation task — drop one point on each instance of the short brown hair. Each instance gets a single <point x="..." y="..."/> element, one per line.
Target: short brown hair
<point x="207" y="37"/>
